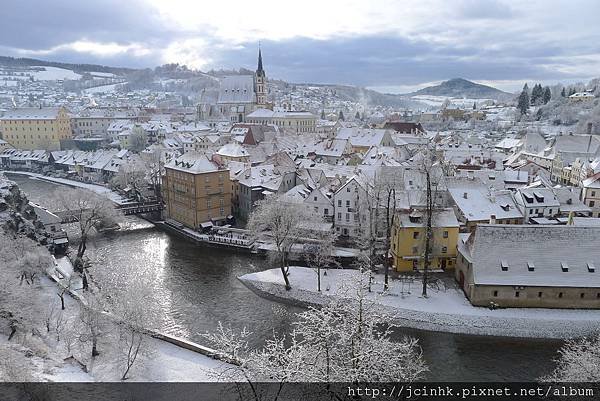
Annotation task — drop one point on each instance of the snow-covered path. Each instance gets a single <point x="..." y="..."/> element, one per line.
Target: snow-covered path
<point x="444" y="310"/>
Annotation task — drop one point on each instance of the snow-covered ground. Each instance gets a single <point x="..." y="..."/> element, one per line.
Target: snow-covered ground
<point x="111" y="88"/>
<point x="444" y="310"/>
<point x="53" y="74"/>
<point x="167" y="362"/>
<point x="437" y="101"/>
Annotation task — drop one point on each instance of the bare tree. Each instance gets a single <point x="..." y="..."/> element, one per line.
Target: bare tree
<point x="578" y="361"/>
<point x="132" y="176"/>
<point x="90" y="316"/>
<point x="89" y="210"/>
<point x="284" y="224"/>
<point x="20" y="305"/>
<point x="347" y="340"/>
<point x="138" y="140"/>
<point x="429" y="165"/>
<point x="319" y="254"/>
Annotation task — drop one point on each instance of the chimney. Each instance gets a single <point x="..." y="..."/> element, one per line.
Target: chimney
<point x="589" y="128"/>
<point x="465" y="195"/>
<point x="492" y="219"/>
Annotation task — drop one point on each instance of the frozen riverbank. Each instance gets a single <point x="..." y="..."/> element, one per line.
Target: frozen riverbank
<point x="444" y="310"/>
<point x="99" y="189"/>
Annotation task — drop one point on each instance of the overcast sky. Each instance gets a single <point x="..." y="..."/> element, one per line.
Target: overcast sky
<point x="388" y="45"/>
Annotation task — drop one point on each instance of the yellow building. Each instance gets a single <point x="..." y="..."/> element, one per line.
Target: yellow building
<point x="36" y="128"/>
<point x="408" y="240"/>
<point x="197" y="191"/>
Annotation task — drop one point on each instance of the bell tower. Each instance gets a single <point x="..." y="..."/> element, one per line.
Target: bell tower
<point x="260" y="82"/>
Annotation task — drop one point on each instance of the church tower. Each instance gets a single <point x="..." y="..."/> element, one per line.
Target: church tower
<point x="260" y="83"/>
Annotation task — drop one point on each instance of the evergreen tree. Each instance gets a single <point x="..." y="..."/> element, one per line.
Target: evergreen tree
<point x="536" y="94"/>
<point x="357" y="116"/>
<point x="563" y="93"/>
<point x="547" y="95"/>
<point x="474" y="105"/>
<point x="341" y="116"/>
<point x="523" y="104"/>
<point x="322" y="114"/>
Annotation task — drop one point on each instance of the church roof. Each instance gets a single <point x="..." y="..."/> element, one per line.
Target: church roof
<point x="237" y="89"/>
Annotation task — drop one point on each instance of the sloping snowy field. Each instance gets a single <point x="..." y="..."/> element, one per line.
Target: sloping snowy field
<point x="444" y="310"/>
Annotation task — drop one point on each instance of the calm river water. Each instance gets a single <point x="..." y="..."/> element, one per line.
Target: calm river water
<point x="197" y="288"/>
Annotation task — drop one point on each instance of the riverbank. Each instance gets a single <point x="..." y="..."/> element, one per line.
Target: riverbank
<point x="99" y="189"/>
<point x="172" y="359"/>
<point x="443" y="310"/>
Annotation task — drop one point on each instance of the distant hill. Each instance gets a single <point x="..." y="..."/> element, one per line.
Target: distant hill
<point x="462" y="88"/>
<point x="364" y="96"/>
<point x="79" y="68"/>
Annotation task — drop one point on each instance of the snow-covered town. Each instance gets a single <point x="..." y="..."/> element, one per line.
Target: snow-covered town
<point x="246" y="210"/>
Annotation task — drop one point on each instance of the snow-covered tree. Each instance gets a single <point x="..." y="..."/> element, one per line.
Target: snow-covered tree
<point x="578" y="361"/>
<point x="21" y="307"/>
<point x="523" y="101"/>
<point x="347" y="340"/>
<point x="132" y="176"/>
<point x="319" y="254"/>
<point x="128" y="299"/>
<point x="90" y="210"/>
<point x="283" y="224"/>
<point x="138" y="140"/>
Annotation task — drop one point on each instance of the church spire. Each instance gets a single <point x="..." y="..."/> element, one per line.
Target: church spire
<point x="259" y="70"/>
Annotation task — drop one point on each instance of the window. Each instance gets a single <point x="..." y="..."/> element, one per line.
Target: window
<point x="592" y="203"/>
<point x="517" y="294"/>
<point x="550" y="211"/>
<point x="339" y="203"/>
<point x="495" y="293"/>
<point x="315" y="198"/>
<point x="539" y="294"/>
<point x="347" y="189"/>
<point x="347" y="203"/>
<point x="347" y="216"/>
<point x="445" y="235"/>
<point x="339" y="216"/>
<point x="444" y="249"/>
<point x="560" y="294"/>
<point x="582" y="295"/>
<point x="326" y="211"/>
<point x="416" y="235"/>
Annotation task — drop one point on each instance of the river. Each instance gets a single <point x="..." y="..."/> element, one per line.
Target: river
<point x="198" y="288"/>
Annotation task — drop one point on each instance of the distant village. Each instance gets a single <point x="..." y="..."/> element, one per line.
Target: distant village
<point x="516" y="208"/>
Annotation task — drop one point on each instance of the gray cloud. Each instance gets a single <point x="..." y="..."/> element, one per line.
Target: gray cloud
<point x="476" y="40"/>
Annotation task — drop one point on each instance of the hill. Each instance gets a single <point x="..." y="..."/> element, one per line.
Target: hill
<point x="462" y="88"/>
<point x="78" y="68"/>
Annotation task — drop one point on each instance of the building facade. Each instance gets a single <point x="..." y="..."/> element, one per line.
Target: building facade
<point x="408" y="240"/>
<point x="196" y="191"/>
<point x="36" y="128"/>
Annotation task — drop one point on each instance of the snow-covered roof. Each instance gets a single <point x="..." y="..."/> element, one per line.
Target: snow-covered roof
<point x="32" y="113"/>
<point x="543" y="247"/>
<point x="192" y="162"/>
<point x="237" y="89"/>
<point x="477" y="203"/>
<point x="233" y="150"/>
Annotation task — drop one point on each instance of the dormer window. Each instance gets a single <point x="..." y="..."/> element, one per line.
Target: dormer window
<point x="564" y="266"/>
<point x="591" y="268"/>
<point x="504" y="265"/>
<point x="530" y="266"/>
